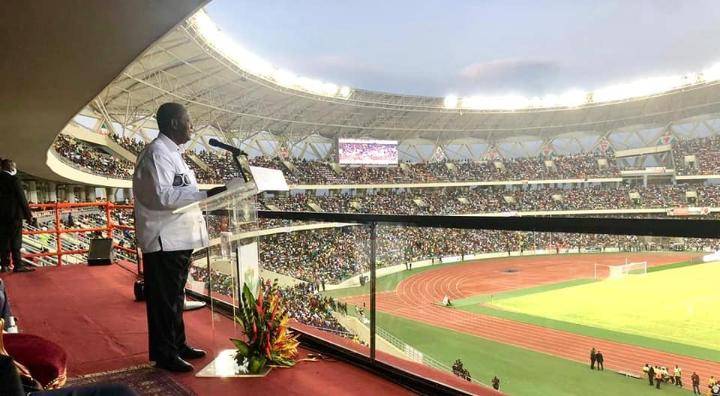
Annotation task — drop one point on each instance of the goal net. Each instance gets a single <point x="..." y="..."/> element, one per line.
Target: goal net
<point x="620" y="271"/>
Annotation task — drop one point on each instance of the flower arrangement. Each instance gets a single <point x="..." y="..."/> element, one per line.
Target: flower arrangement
<point x="265" y="324"/>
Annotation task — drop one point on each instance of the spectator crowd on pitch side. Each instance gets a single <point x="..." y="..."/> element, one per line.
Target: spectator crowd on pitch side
<point x="659" y="375"/>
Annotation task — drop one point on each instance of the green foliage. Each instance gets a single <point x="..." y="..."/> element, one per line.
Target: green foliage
<point x="521" y="371"/>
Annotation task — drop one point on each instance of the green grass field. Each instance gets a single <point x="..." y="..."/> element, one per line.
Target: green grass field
<point x="521" y="371"/>
<point x="524" y="372"/>
<point x="676" y="305"/>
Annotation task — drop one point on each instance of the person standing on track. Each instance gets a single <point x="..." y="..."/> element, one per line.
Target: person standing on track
<point x="600" y="359"/>
<point x="496" y="383"/>
<point x="695" y="378"/>
<point x="593" y="356"/>
<point x="651" y="375"/>
<point x="678" y="376"/>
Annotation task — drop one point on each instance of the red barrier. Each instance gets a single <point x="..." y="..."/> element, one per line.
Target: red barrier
<point x="107" y="207"/>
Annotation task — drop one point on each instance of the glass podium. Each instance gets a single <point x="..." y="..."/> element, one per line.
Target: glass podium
<point x="227" y="261"/>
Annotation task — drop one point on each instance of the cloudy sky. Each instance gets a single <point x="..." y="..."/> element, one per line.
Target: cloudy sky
<point x="434" y="47"/>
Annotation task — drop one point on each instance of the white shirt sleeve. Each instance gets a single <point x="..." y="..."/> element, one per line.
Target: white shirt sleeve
<point x="157" y="173"/>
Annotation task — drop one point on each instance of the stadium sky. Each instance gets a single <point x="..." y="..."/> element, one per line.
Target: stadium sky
<point x="434" y="47"/>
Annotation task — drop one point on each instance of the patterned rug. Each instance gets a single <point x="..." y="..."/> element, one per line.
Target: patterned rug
<point x="145" y="380"/>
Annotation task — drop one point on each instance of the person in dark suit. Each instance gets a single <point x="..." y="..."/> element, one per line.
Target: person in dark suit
<point x="600" y="360"/>
<point x="13" y="210"/>
<point x="651" y="375"/>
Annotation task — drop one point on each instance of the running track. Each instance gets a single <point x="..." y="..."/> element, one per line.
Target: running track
<point x="416" y="298"/>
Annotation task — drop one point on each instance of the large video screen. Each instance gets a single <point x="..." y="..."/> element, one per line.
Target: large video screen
<point x="367" y="152"/>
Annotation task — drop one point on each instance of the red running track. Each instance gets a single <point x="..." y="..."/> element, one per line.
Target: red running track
<point x="416" y="298"/>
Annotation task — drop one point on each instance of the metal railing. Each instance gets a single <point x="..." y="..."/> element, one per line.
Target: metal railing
<point x="415" y="355"/>
<point x="72" y="240"/>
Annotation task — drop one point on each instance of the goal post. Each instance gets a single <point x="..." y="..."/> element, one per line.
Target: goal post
<point x="619" y="271"/>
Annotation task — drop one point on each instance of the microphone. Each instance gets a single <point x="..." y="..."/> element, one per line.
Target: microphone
<point x="234" y="150"/>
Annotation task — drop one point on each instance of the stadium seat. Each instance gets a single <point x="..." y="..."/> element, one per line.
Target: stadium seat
<point x="46" y="360"/>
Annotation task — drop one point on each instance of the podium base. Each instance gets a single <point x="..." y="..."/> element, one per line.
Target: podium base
<point x="225" y="366"/>
<point x="192" y="305"/>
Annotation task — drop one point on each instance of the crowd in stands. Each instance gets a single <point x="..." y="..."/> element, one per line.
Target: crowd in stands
<point x="133" y="145"/>
<point x="328" y="255"/>
<point x="306" y="305"/>
<point x="707" y="156"/>
<point x="488" y="199"/>
<point x="218" y="166"/>
<point x="333" y="255"/>
<point x="579" y="166"/>
<point x="304" y="301"/>
<point x="92" y="159"/>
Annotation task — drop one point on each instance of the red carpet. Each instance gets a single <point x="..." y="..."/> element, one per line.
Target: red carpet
<point x="90" y="312"/>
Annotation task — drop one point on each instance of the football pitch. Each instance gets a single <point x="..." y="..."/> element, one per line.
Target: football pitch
<point x="678" y="305"/>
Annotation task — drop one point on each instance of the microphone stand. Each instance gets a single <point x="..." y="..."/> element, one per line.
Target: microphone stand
<point x="243" y="166"/>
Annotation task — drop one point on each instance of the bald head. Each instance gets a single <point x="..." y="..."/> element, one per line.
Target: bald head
<point x="174" y="122"/>
<point x="7" y="165"/>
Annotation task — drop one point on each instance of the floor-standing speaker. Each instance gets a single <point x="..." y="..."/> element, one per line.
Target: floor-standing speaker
<point x="101" y="251"/>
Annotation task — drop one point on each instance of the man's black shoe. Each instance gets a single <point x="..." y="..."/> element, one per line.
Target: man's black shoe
<point x="176" y="365"/>
<point x="24" y="268"/>
<point x="192" y="353"/>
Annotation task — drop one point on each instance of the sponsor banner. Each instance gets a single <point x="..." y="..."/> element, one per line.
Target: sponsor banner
<point x="711" y="257"/>
<point x="655" y="169"/>
<point x="510" y="214"/>
<point x="689" y="211"/>
<point x="451" y="259"/>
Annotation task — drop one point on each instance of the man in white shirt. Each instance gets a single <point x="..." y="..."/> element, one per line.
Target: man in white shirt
<point x="163" y="182"/>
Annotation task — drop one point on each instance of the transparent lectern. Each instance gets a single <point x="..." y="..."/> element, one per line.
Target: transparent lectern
<point x="229" y="258"/>
<point x="230" y="255"/>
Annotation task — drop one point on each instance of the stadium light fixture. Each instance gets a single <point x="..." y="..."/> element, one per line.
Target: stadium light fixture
<point x="634" y="90"/>
<point x="255" y="65"/>
<point x="451" y="102"/>
<point x="345" y="92"/>
<point x="712" y="73"/>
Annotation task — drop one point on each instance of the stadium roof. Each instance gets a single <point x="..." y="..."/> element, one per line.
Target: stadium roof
<point x="57" y="56"/>
<point x="235" y="92"/>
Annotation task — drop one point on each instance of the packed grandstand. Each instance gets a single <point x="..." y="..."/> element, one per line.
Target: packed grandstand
<point x="218" y="166"/>
<point x="334" y="255"/>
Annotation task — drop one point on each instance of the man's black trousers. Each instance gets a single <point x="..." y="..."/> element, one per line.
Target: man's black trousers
<point x="165" y="277"/>
<point x="10" y="244"/>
